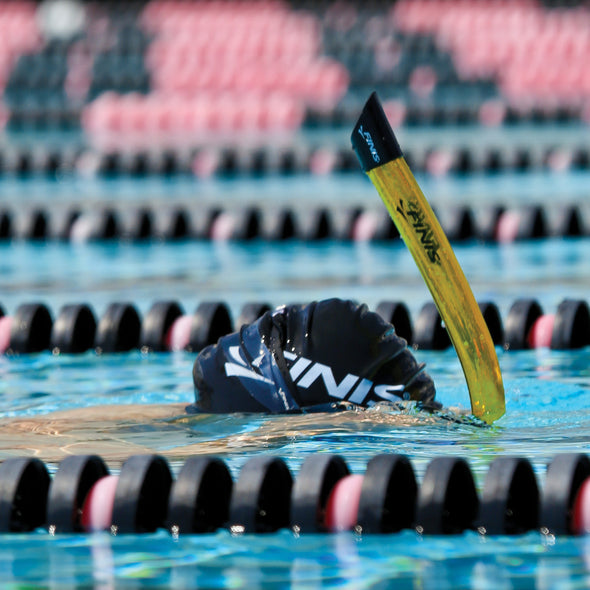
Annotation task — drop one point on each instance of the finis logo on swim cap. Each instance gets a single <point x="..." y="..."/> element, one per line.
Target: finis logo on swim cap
<point x="306" y="372"/>
<point x="370" y="143"/>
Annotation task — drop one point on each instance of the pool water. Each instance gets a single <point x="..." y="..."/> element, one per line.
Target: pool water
<point x="547" y="393"/>
<point x="283" y="272"/>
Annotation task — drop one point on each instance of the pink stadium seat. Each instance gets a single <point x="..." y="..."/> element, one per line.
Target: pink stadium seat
<point x="19" y="34"/>
<point x="537" y="55"/>
<point x="251" y="65"/>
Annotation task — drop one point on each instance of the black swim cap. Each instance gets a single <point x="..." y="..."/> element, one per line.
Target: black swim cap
<point x="302" y="357"/>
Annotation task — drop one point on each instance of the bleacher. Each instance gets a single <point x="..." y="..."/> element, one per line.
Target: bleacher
<point x="214" y="87"/>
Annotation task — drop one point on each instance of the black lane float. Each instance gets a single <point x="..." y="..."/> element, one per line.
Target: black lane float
<point x="323" y="497"/>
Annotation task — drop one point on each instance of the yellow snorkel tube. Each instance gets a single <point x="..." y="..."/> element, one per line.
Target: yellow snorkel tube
<point x="382" y="159"/>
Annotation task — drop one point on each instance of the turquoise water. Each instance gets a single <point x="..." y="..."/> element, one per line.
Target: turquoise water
<point x="548" y="411"/>
<point x="194" y="271"/>
<point x="282" y="561"/>
<point x="476" y="189"/>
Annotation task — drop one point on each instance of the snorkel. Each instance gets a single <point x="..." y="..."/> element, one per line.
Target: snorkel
<point x="382" y="160"/>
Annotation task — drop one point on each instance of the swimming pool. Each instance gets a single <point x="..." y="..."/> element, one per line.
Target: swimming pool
<point x="548" y="410"/>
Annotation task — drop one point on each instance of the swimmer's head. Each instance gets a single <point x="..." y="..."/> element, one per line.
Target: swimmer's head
<point x="309" y="357"/>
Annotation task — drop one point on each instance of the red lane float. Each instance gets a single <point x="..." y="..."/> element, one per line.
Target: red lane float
<point x="222" y="227"/>
<point x="581" y="513"/>
<point x="365" y="226"/>
<point x="5" y="327"/>
<point x="343" y="504"/>
<point x="507" y="227"/>
<point x="97" y="511"/>
<point x="542" y="331"/>
<point x="178" y="336"/>
<point x="525" y="223"/>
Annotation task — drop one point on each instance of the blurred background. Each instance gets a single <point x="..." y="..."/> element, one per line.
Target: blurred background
<point x="174" y="118"/>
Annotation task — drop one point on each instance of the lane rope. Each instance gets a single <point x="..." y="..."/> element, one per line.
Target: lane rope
<point x="34" y="327"/>
<point x="323" y="497"/>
